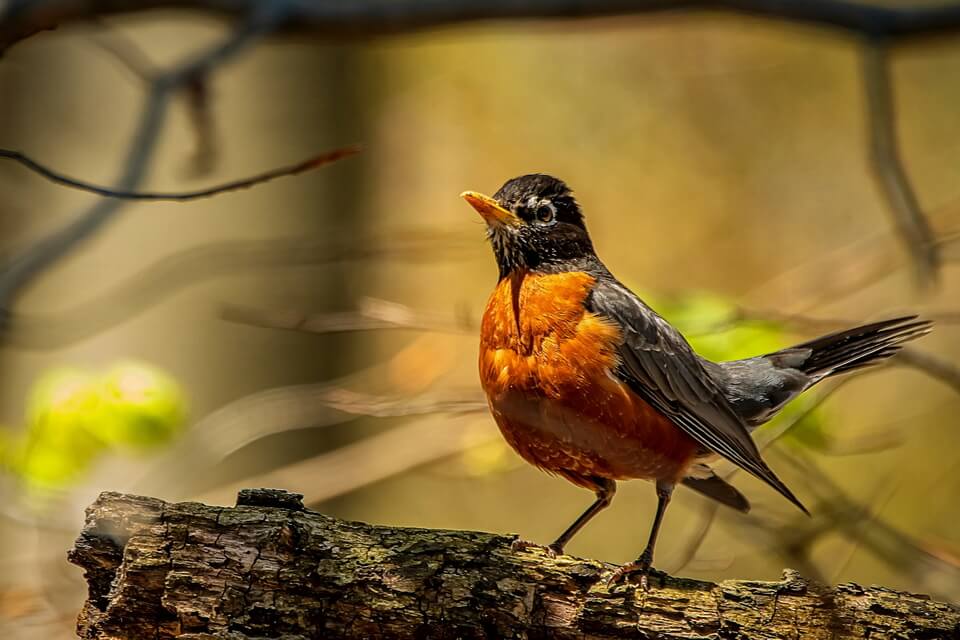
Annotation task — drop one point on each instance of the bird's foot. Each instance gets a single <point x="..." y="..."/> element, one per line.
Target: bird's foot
<point x="641" y="567"/>
<point x="550" y="550"/>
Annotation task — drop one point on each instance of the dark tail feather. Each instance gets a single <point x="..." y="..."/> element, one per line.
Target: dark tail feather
<point x="859" y="347"/>
<point x="715" y="487"/>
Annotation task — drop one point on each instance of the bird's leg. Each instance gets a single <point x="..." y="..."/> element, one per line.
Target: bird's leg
<point x="642" y="565"/>
<point x="604" y="489"/>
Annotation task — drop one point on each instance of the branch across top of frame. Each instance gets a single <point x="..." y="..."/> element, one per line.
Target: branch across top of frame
<point x="360" y="18"/>
<point x="313" y="162"/>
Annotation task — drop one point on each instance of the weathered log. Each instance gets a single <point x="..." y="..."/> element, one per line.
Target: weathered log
<point x="268" y="568"/>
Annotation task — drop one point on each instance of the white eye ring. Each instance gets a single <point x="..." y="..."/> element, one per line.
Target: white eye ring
<point x="546" y="212"/>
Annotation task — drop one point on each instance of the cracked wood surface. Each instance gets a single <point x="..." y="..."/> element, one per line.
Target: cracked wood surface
<point x="268" y="568"/>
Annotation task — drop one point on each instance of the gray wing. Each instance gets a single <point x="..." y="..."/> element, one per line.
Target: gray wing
<point x="660" y="366"/>
<point x="757" y="388"/>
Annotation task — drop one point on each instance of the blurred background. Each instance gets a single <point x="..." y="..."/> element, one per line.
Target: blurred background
<point x="723" y="165"/>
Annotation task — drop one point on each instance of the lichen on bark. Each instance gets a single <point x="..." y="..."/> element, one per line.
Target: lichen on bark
<point x="268" y="568"/>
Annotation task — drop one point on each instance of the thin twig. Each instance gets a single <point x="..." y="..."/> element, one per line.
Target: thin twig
<point x="877" y="505"/>
<point x="309" y="164"/>
<point x="695" y="541"/>
<point x="128" y="53"/>
<point x="125" y="51"/>
<point x="204" y="127"/>
<point x="372" y="315"/>
<point x="197" y="264"/>
<point x="841" y="272"/>
<point x="362" y="463"/>
<point x="284" y="409"/>
<point x="131" y="56"/>
<point x="885" y="157"/>
<point x="948" y="237"/>
<point x="934" y="366"/>
<point x="303" y="406"/>
<point x="884" y="541"/>
<point x="23" y="268"/>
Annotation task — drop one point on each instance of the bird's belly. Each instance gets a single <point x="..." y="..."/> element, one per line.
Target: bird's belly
<point x="546" y="365"/>
<point x="595" y="432"/>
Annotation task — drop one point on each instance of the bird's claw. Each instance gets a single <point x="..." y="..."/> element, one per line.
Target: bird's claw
<point x="550" y="550"/>
<point x="628" y="571"/>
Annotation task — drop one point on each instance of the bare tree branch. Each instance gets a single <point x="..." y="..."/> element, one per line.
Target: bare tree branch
<point x="199" y="109"/>
<point x="909" y="220"/>
<point x="303" y="406"/>
<point x="197" y="93"/>
<point x="932" y="365"/>
<point x="125" y="51"/>
<point x="363" y="18"/>
<point x="360" y="464"/>
<point x="195" y="264"/>
<point x="840" y="272"/>
<point x="839" y="513"/>
<point x="371" y="315"/>
<point x="270" y="568"/>
<point x="19" y="271"/>
<point x="698" y="537"/>
<point x="311" y="163"/>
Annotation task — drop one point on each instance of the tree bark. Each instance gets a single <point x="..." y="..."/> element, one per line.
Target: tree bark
<point x="268" y="568"/>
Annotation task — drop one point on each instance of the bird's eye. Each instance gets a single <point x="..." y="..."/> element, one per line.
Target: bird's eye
<point x="546" y="212"/>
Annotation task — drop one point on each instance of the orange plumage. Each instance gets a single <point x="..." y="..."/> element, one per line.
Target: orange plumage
<point x="546" y="366"/>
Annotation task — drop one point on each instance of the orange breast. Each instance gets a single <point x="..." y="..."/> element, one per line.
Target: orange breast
<point x="546" y="365"/>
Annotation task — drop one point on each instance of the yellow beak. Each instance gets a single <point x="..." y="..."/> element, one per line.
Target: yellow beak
<point x="487" y="207"/>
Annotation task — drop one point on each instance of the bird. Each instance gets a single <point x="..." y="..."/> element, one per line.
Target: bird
<point x="587" y="382"/>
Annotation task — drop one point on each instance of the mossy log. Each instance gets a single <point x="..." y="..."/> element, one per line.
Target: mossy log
<point x="268" y="568"/>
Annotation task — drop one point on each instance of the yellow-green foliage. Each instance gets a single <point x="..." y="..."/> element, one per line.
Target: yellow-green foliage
<point x="73" y="416"/>
<point x="715" y="331"/>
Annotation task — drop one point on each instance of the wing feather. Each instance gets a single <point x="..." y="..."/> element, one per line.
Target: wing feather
<point x="660" y="366"/>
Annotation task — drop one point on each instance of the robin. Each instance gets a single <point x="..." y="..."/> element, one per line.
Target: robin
<point x="587" y="382"/>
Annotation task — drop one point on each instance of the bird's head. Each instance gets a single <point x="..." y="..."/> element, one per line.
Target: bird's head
<point x="534" y="223"/>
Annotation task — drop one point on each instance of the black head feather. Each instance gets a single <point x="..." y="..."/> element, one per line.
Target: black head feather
<point x="551" y="235"/>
